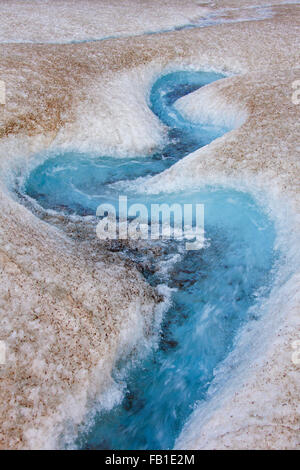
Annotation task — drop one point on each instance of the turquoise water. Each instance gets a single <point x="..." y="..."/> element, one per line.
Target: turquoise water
<point x="78" y="183"/>
<point x="214" y="288"/>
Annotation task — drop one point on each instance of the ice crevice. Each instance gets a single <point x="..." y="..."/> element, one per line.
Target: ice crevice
<point x="46" y="111"/>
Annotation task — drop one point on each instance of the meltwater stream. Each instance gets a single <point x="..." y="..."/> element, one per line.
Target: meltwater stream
<point x="214" y="289"/>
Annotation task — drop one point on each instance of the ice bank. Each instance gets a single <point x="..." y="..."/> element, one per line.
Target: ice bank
<point x="55" y="287"/>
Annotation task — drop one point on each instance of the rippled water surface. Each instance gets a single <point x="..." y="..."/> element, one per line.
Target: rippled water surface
<point x="213" y="288"/>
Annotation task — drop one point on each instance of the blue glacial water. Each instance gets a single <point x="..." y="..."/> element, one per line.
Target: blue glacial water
<point x="213" y="18"/>
<point x="78" y="183"/>
<point x="214" y="288"/>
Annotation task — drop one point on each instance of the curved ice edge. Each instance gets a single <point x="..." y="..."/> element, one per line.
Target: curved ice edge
<point x="216" y="402"/>
<point x="211" y="19"/>
<point x="206" y="105"/>
<point x="254" y="342"/>
<point x="114" y="391"/>
<point x="257" y="335"/>
<point x="201" y="416"/>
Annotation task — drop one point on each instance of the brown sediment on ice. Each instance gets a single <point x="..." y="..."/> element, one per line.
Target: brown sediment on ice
<point x="261" y="408"/>
<point x="45" y="83"/>
<point x="64" y="307"/>
<point x="75" y="20"/>
<point x="64" y="311"/>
